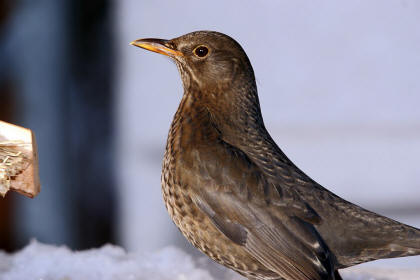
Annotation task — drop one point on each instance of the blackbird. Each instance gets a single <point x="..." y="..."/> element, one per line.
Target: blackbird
<point x="237" y="197"/>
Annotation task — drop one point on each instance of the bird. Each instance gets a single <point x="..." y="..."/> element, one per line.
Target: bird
<point x="236" y="196"/>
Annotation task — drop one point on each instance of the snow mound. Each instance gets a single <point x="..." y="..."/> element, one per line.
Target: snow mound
<point x="47" y="262"/>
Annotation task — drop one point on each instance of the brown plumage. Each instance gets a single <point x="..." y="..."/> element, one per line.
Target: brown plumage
<point x="236" y="196"/>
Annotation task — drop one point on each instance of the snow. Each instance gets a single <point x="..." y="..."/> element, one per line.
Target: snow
<point x="48" y="262"/>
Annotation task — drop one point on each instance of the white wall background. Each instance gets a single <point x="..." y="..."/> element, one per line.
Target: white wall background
<point x="339" y="85"/>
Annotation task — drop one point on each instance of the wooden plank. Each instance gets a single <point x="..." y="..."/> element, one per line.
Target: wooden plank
<point x="18" y="160"/>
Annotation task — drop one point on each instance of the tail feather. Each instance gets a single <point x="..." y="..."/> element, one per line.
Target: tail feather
<point x="406" y="244"/>
<point x="394" y="241"/>
<point x="410" y="239"/>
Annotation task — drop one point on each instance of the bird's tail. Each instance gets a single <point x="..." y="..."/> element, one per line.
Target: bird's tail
<point x="406" y="243"/>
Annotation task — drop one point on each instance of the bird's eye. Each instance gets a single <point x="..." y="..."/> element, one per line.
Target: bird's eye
<point x="201" y="51"/>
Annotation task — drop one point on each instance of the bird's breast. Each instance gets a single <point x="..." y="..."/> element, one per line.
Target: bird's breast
<point x="178" y="167"/>
<point x="196" y="226"/>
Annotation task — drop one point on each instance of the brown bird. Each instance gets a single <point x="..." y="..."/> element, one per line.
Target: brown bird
<point x="237" y="197"/>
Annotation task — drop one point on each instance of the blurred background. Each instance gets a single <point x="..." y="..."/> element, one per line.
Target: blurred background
<point x="338" y="82"/>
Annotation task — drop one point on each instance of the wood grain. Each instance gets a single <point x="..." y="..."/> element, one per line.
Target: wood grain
<point x="18" y="160"/>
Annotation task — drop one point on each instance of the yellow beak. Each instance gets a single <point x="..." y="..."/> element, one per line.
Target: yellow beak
<point x="156" y="45"/>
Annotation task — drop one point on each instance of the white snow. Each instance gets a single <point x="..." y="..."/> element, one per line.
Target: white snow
<point x="47" y="262"/>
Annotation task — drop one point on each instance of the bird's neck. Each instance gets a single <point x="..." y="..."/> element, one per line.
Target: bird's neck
<point x="191" y="124"/>
<point x="240" y="125"/>
<point x="233" y="110"/>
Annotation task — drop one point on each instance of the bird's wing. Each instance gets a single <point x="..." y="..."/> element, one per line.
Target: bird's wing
<point x="279" y="234"/>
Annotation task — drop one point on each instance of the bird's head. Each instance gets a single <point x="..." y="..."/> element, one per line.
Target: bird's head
<point x="207" y="59"/>
<point x="217" y="72"/>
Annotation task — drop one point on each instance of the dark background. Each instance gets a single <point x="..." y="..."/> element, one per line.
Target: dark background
<point x="56" y="77"/>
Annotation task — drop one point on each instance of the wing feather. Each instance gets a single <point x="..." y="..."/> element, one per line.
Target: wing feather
<point x="279" y="232"/>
